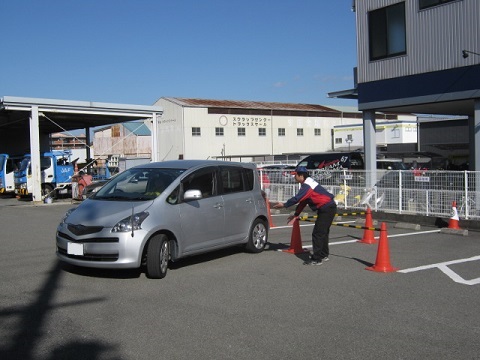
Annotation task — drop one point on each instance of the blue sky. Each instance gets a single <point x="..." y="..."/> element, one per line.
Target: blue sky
<point x="136" y="51"/>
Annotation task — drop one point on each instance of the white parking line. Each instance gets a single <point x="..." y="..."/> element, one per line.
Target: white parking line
<point x="415" y="233"/>
<point x="447" y="271"/>
<point x="310" y="224"/>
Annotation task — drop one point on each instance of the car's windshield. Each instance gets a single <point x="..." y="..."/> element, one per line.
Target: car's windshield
<point x="399" y="166"/>
<point x="3" y="159"/>
<point x="24" y="164"/>
<point x="138" y="184"/>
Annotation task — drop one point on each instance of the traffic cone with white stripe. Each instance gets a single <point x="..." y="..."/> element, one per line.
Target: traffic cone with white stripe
<point x="453" y="222"/>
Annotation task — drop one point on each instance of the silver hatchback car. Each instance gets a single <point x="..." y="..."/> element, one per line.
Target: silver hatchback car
<point x="159" y="212"/>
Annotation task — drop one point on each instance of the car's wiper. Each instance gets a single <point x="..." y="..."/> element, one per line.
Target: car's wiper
<point x="142" y="198"/>
<point x="114" y="197"/>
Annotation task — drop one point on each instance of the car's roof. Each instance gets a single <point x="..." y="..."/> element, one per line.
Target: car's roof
<point x="278" y="166"/>
<point x="187" y="164"/>
<point x="389" y="160"/>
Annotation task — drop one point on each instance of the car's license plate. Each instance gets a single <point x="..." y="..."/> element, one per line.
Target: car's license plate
<point x="74" y="249"/>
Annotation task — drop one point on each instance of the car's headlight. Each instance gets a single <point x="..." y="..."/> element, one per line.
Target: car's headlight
<point x="67" y="214"/>
<point x="133" y="222"/>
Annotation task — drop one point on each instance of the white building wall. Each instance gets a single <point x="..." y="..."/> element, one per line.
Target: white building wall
<point x="80" y="154"/>
<point x="175" y="133"/>
<point x="395" y="132"/>
<point x="125" y="144"/>
<point x="171" y="138"/>
<point x="435" y="39"/>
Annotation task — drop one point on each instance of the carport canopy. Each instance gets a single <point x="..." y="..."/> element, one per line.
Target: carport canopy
<point x="46" y="116"/>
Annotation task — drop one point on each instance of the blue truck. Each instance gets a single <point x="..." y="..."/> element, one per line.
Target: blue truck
<point x="57" y="171"/>
<point x="8" y="164"/>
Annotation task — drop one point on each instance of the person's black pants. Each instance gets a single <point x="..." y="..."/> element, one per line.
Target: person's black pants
<point x="321" y="230"/>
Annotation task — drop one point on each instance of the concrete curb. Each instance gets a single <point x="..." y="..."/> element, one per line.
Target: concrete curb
<point x="402" y="225"/>
<point x="462" y="232"/>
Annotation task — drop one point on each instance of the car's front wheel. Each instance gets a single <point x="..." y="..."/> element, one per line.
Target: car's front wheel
<point x="158" y="255"/>
<point x="258" y="236"/>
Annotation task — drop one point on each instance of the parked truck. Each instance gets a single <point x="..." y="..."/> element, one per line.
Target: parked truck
<point x="8" y="164"/>
<point x="57" y="171"/>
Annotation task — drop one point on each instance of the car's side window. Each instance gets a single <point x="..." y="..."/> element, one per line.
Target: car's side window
<point x="173" y="197"/>
<point x="203" y="180"/>
<point x="232" y="179"/>
<point x="249" y="179"/>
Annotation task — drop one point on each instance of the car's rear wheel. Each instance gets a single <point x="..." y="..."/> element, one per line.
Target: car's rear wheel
<point x="158" y="255"/>
<point x="258" y="236"/>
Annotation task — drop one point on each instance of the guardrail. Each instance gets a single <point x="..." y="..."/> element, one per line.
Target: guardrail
<point x="425" y="192"/>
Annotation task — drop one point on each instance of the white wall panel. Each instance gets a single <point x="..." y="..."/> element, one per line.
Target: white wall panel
<point x="435" y="39"/>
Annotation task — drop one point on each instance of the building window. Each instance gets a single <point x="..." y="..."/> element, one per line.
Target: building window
<point x="262" y="132"/>
<point x="115" y="129"/>
<point x="338" y="140"/>
<point x="218" y="131"/>
<point x="318" y="132"/>
<point x="196" y="131"/>
<point x="281" y="132"/>
<point x="241" y="132"/>
<point x="299" y="132"/>
<point x="423" y="4"/>
<point x="387" y="33"/>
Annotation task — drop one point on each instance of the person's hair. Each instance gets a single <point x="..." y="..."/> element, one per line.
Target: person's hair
<point x="303" y="173"/>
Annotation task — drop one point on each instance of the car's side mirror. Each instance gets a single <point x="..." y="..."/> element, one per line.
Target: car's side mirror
<point x="192" y="194"/>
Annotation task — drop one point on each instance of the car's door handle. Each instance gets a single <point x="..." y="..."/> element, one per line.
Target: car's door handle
<point x="218" y="206"/>
<point x="249" y="200"/>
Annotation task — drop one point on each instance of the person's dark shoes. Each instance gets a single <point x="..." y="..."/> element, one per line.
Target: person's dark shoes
<point x="313" y="262"/>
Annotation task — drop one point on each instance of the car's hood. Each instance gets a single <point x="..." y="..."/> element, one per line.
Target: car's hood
<point x="105" y="213"/>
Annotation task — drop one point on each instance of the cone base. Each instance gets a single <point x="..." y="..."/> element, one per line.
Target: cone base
<point x="296" y="251"/>
<point x="454" y="225"/>
<point x="384" y="269"/>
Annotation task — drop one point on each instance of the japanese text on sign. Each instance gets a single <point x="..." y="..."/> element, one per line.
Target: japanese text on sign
<point x="249" y="121"/>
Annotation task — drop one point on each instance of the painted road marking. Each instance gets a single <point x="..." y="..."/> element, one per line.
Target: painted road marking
<point x="447" y="271"/>
<point x="441" y="266"/>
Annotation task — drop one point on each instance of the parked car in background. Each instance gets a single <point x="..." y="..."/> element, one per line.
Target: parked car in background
<point x="279" y="173"/>
<point x="91" y="189"/>
<point x="348" y="161"/>
<point x="155" y="213"/>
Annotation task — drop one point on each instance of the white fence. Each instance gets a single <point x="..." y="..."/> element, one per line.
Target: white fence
<point x="428" y="193"/>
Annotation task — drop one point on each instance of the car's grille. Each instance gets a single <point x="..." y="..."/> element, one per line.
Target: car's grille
<point x="90" y="257"/>
<point x="91" y="240"/>
<point x="79" y="229"/>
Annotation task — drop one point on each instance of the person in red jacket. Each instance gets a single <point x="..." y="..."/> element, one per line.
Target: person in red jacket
<point x="83" y="181"/>
<point x="320" y="200"/>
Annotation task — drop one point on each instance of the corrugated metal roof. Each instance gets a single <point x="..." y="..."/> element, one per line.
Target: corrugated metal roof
<point x="239" y="104"/>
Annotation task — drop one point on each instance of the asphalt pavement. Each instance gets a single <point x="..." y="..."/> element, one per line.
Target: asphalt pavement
<point x="235" y="305"/>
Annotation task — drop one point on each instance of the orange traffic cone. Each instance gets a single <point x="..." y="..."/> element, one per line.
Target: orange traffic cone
<point x="382" y="263"/>
<point x="270" y="219"/>
<point x="368" y="236"/>
<point x="296" y="240"/>
<point x="453" y="222"/>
